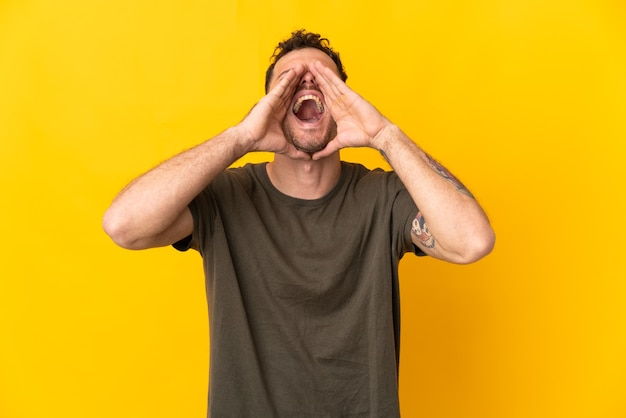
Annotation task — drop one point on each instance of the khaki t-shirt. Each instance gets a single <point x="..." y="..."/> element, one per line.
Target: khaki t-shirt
<point x="303" y="294"/>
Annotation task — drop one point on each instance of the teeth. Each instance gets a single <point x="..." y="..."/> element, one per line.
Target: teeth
<point x="302" y="99"/>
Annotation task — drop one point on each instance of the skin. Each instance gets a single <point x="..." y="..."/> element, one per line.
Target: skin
<point x="309" y="137"/>
<point x="152" y="210"/>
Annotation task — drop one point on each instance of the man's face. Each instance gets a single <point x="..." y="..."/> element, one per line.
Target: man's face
<point x="308" y="124"/>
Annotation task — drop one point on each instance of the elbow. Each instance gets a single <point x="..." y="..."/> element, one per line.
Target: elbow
<point x="480" y="246"/>
<point x="117" y="228"/>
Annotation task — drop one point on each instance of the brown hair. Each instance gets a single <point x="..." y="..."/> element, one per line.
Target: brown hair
<point x="302" y="39"/>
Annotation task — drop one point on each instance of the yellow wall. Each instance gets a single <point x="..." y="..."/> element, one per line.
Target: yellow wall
<point x="525" y="100"/>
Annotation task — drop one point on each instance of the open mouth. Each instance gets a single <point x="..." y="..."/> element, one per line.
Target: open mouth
<point x="308" y="108"/>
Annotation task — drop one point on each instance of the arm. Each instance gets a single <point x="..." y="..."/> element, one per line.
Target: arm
<point x="153" y="211"/>
<point x="450" y="224"/>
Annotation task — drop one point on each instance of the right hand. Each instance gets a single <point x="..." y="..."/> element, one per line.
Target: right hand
<point x="262" y="125"/>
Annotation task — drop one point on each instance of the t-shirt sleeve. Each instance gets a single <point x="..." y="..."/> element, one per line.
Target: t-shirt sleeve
<point x="404" y="212"/>
<point x="203" y="211"/>
<point x="184" y="244"/>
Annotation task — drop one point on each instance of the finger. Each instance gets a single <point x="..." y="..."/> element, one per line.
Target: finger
<point x="332" y="147"/>
<point x="288" y="80"/>
<point x="328" y="81"/>
<point x="338" y="96"/>
<point x="280" y="95"/>
<point x="291" y="72"/>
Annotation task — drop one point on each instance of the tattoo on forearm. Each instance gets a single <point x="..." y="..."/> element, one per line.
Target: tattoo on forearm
<point x="443" y="172"/>
<point x="420" y="230"/>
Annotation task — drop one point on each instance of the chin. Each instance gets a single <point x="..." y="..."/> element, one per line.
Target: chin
<point x="310" y="140"/>
<point x="310" y="145"/>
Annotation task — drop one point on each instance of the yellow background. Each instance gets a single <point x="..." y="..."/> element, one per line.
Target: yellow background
<point x="525" y="100"/>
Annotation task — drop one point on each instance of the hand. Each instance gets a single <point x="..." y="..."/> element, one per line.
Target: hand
<point x="262" y="125"/>
<point x="358" y="122"/>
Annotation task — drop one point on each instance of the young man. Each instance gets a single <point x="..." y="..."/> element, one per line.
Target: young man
<point x="301" y="254"/>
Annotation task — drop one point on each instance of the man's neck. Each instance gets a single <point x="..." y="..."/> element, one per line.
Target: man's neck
<point x="304" y="179"/>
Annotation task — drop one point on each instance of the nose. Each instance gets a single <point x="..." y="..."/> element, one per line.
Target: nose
<point x="307" y="78"/>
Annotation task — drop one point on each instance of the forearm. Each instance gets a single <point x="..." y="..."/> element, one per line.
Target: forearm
<point x="459" y="229"/>
<point x="153" y="203"/>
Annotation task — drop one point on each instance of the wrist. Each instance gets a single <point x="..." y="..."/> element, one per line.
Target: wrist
<point x="243" y="138"/>
<point x="385" y="138"/>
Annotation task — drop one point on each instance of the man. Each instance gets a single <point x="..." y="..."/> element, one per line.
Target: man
<point x="301" y="253"/>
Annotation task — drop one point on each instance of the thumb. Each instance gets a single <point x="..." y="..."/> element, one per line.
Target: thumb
<point x="332" y="147"/>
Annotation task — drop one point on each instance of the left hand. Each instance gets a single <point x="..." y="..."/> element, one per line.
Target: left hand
<point x="358" y="122"/>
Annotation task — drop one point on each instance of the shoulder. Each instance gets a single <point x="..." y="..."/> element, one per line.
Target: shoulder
<point x="376" y="177"/>
<point x="241" y="177"/>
